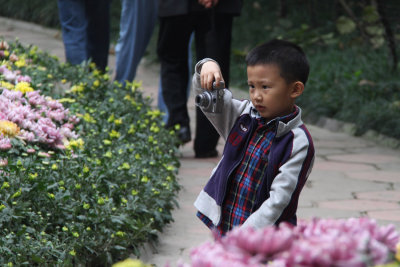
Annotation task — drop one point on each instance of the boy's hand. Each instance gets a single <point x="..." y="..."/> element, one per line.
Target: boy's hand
<point x="209" y="73"/>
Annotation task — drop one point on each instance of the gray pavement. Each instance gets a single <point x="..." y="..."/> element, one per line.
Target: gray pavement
<point x="352" y="176"/>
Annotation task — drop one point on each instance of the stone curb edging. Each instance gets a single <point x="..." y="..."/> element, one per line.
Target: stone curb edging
<point x="335" y="125"/>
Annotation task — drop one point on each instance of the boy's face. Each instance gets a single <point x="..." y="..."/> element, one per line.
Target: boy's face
<point x="270" y="94"/>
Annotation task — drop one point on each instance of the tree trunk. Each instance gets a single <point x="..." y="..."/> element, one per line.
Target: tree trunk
<point x="389" y="33"/>
<point x="282" y="9"/>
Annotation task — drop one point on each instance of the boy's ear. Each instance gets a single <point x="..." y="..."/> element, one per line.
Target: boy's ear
<point x="297" y="89"/>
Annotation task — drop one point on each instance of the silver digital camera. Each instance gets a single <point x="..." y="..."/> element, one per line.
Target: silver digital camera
<point x="212" y="101"/>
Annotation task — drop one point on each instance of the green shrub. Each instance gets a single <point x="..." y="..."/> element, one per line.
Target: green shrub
<point x="354" y="85"/>
<point x="106" y="193"/>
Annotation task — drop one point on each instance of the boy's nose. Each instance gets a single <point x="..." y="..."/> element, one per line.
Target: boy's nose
<point x="257" y="95"/>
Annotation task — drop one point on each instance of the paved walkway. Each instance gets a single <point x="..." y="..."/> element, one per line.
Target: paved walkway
<point x="352" y="176"/>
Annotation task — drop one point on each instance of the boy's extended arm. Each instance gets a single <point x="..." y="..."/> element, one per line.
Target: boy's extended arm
<point x="287" y="185"/>
<point x="223" y="122"/>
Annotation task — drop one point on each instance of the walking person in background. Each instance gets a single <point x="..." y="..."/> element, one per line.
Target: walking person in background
<point x="138" y="19"/>
<point x="85" y="28"/>
<point x="160" y="100"/>
<point x="178" y="20"/>
<point x="218" y="47"/>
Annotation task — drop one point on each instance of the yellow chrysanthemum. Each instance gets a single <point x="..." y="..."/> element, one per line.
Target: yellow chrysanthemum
<point x="23" y="87"/>
<point x="130" y="263"/>
<point x="71" y="144"/>
<point x="154" y="113"/>
<point x="134" y="86"/>
<point x="33" y="50"/>
<point x="96" y="73"/>
<point x="77" y="88"/>
<point x="89" y="118"/>
<point x="398" y="252"/>
<point x="8" y="128"/>
<point x="7" y="85"/>
<point x="118" y="121"/>
<point x="20" y="63"/>
<point x="132" y="129"/>
<point x="114" y="134"/>
<point x="66" y="100"/>
<point x="125" y="166"/>
<point x="111" y="118"/>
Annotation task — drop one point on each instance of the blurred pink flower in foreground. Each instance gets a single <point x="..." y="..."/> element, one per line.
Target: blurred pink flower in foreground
<point x="355" y="242"/>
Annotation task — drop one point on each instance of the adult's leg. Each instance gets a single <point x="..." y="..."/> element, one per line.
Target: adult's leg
<point x="73" y="25"/>
<point x="160" y="100"/>
<point x="172" y="49"/>
<point x="138" y="19"/>
<point x="217" y="43"/>
<point x="98" y="31"/>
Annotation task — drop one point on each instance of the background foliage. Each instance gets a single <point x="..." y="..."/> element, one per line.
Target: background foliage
<point x="352" y="77"/>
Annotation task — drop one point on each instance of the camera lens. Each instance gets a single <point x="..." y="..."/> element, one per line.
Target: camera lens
<point x="202" y="100"/>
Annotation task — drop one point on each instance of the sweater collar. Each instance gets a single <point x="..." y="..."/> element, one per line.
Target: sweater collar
<point x="283" y="124"/>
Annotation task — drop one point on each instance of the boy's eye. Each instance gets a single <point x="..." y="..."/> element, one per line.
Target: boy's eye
<point x="251" y="86"/>
<point x="265" y="87"/>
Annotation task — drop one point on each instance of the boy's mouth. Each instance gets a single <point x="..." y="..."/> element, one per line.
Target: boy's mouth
<point x="260" y="108"/>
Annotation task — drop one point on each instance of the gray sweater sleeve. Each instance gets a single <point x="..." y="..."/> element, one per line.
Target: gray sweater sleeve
<point x="223" y="122"/>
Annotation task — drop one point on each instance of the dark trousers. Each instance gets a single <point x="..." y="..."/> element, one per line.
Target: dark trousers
<point x="212" y="39"/>
<point x="172" y="49"/>
<point x="86" y="30"/>
<point x="218" y="47"/>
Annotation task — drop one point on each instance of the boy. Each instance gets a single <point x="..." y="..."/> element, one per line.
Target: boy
<point x="269" y="153"/>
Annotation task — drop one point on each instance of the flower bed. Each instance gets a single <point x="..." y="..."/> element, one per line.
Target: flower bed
<point x="87" y="170"/>
<point x="320" y="243"/>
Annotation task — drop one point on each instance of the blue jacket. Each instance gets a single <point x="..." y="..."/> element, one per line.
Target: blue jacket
<point x="290" y="161"/>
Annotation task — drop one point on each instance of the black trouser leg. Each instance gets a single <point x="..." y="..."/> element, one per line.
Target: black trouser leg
<point x="98" y="31"/>
<point x="172" y="49"/>
<point x="218" y="43"/>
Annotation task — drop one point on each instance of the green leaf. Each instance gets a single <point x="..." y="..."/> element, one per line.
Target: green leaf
<point x="375" y="30"/>
<point x="377" y="41"/>
<point x="345" y="25"/>
<point x="37" y="259"/>
<point x="370" y="14"/>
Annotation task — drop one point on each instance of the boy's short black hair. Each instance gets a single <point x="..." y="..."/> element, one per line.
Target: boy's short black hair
<point x="289" y="57"/>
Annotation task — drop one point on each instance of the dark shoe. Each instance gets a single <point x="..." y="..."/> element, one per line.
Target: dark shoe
<point x="184" y="135"/>
<point x="208" y="154"/>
